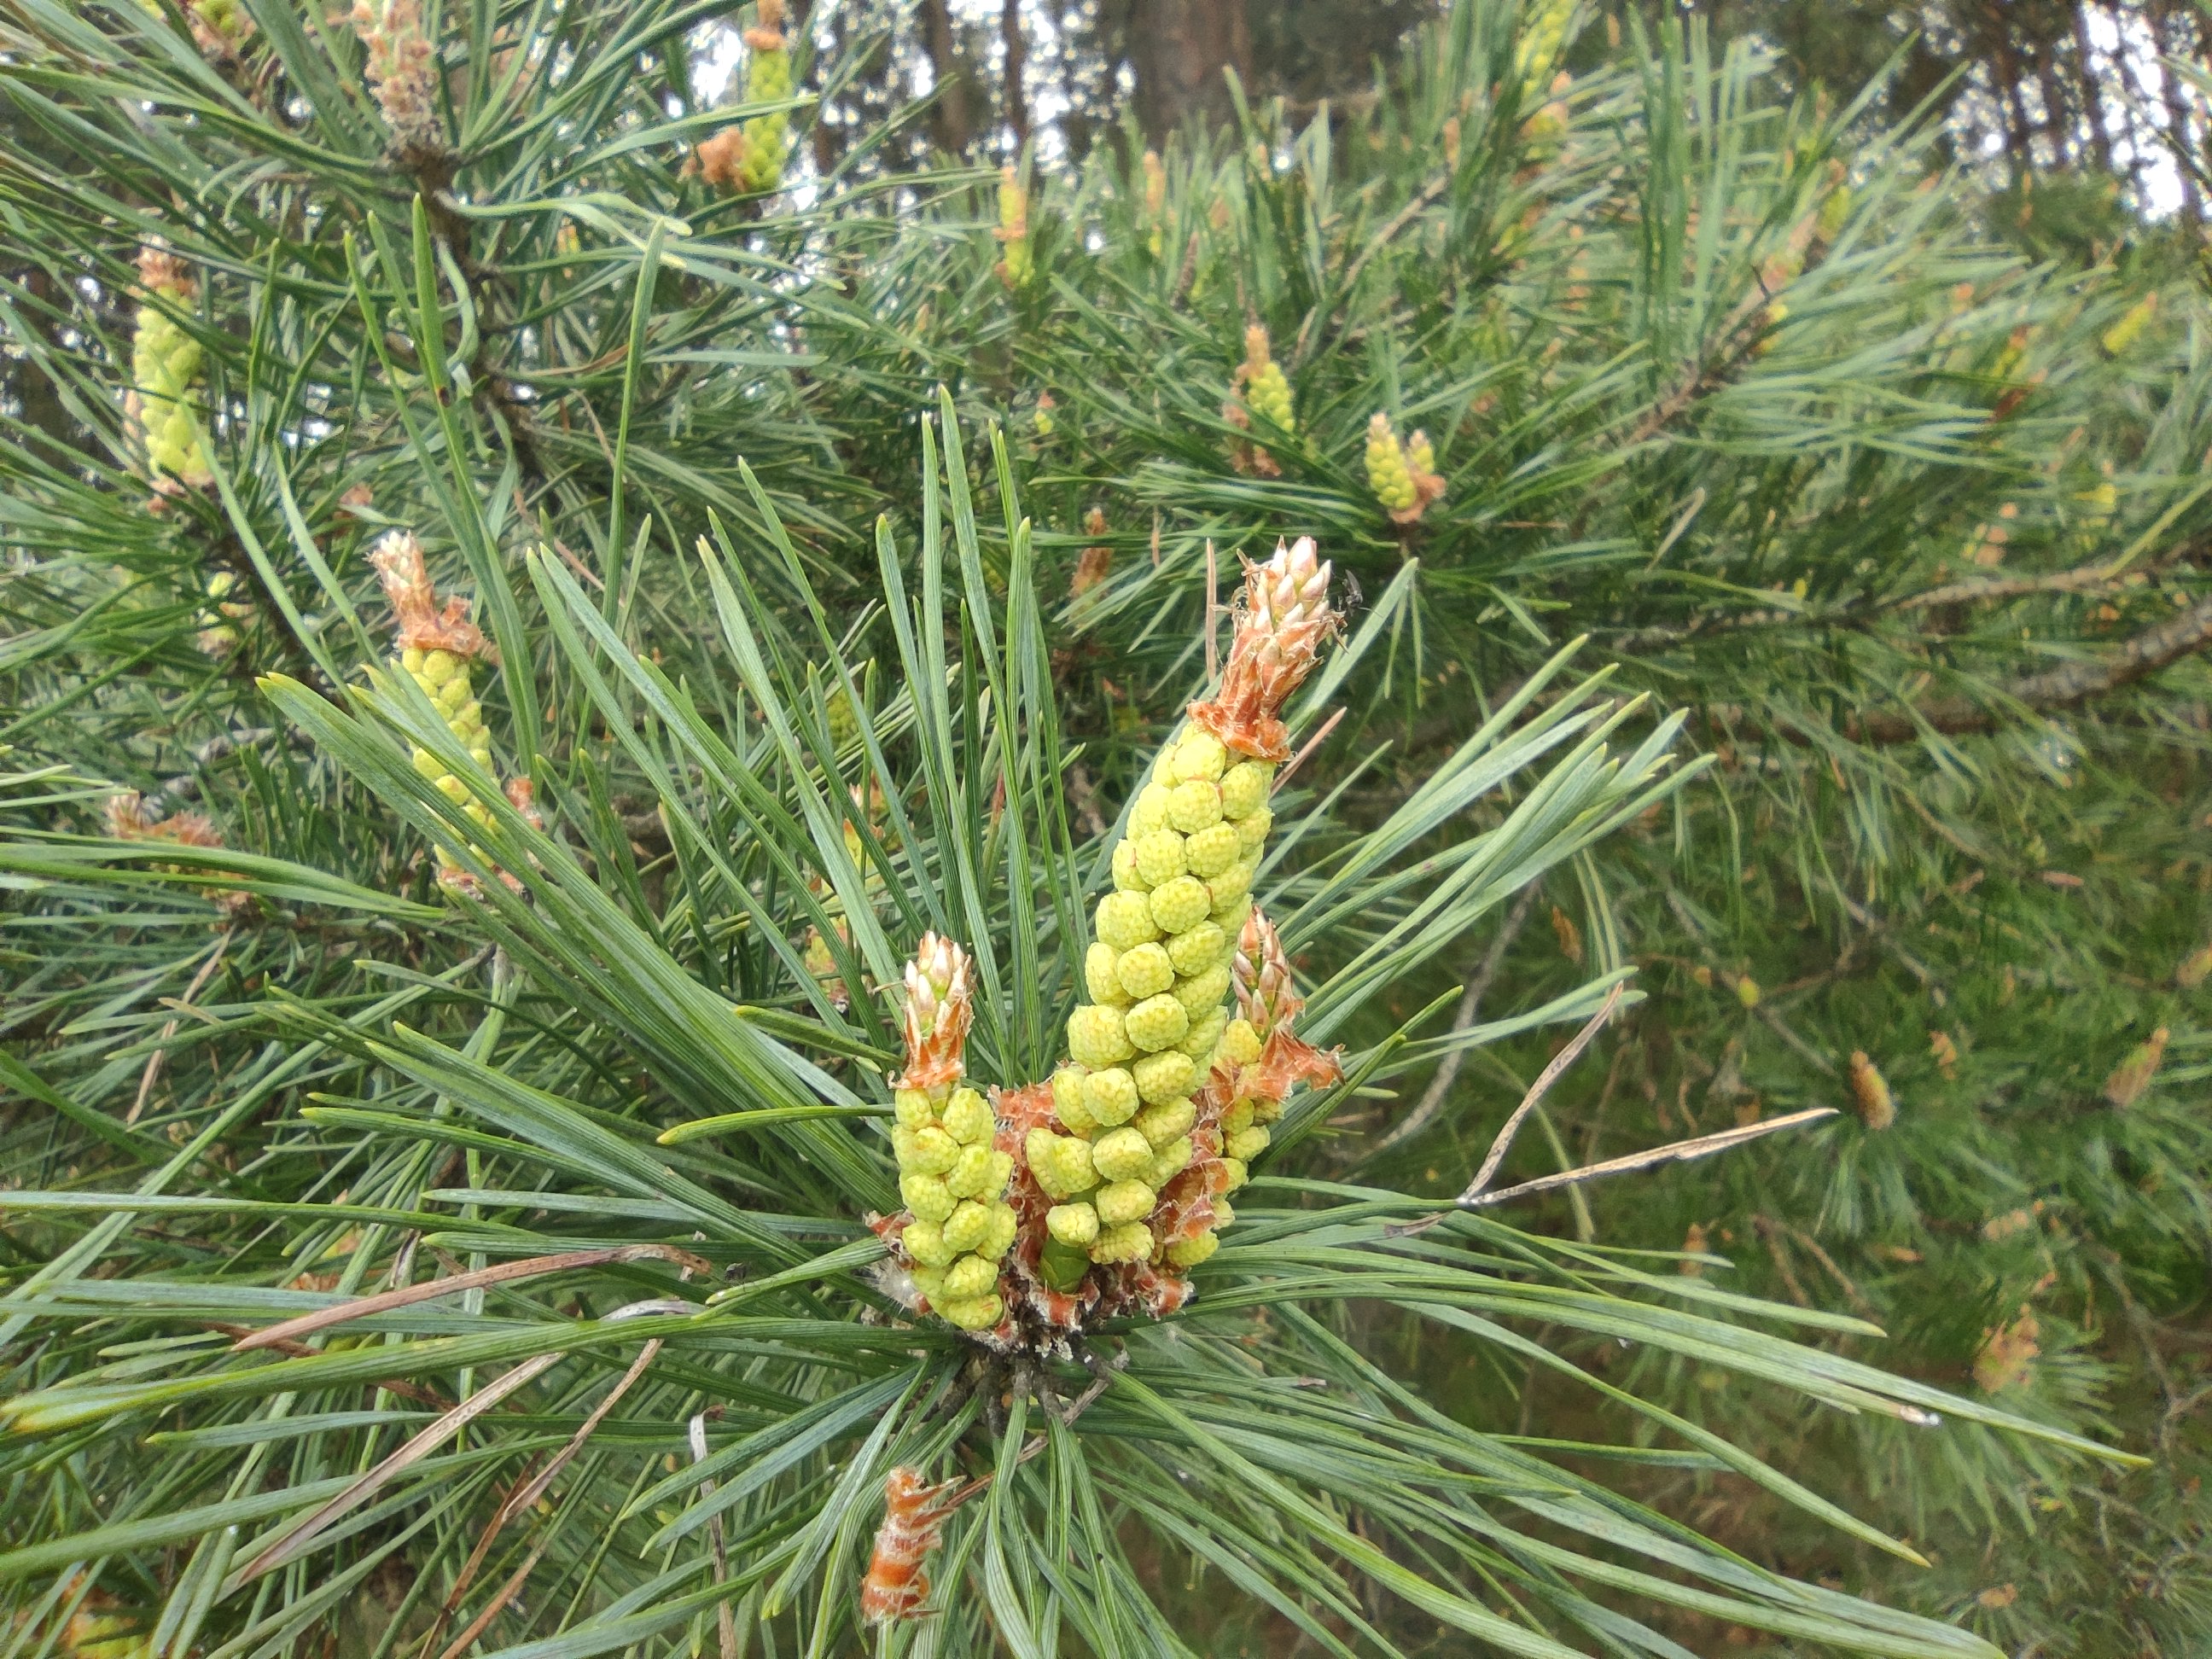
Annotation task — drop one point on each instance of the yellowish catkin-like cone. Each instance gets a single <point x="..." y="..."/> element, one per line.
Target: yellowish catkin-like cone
<point x="1402" y="474"/>
<point x="223" y="619"/>
<point x="1015" y="262"/>
<point x="2124" y="333"/>
<point x="1871" y="1090"/>
<point x="1157" y="976"/>
<point x="1260" y="1060"/>
<point x="1266" y="393"/>
<point x="438" y="650"/>
<point x="165" y="372"/>
<point x="401" y="70"/>
<point x="1543" y="37"/>
<point x="768" y="79"/>
<point x="953" y="1181"/>
<point x="1156" y="203"/>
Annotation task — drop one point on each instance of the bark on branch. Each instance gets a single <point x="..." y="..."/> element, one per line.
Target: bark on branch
<point x="2067" y="686"/>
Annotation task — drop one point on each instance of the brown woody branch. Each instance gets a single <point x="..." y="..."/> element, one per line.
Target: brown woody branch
<point x="2067" y="686"/>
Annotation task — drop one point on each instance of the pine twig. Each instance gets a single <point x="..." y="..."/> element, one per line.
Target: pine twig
<point x="1512" y="1127"/>
<point x="1551" y="1073"/>
<point x="725" y="1624"/>
<point x="1675" y="1151"/>
<point x="2067" y="686"/>
<point x="154" y="1060"/>
<point x="292" y="1330"/>
<point x="499" y="1604"/>
<point x="1470" y="1003"/>
<point x="1310" y="745"/>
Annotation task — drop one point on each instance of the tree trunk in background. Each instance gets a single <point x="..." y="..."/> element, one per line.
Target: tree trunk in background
<point x="1016" y="43"/>
<point x="951" y="123"/>
<point x="1178" y="49"/>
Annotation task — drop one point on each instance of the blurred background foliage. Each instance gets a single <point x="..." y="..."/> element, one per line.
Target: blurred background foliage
<point x="1840" y="372"/>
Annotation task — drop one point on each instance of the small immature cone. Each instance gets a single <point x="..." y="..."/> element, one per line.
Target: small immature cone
<point x="128" y="820"/>
<point x="914" y="1513"/>
<point x="403" y="74"/>
<point x="165" y="396"/>
<point x="1258" y="1064"/>
<point x="748" y="156"/>
<point x="1877" y="1108"/>
<point x="1114" y="1161"/>
<point x="1402" y="475"/>
<point x="223" y="619"/>
<point x="940" y="1010"/>
<point x="1267" y="393"/>
<point x="438" y="649"/>
<point x="1281" y="621"/>
<point x="1543" y="36"/>
<point x="952" y="1176"/>
<point x="2132" y="1076"/>
<point x="1261" y="391"/>
<point x="1015" y="265"/>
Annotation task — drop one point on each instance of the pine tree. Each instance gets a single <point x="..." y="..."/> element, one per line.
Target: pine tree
<point x="444" y="1211"/>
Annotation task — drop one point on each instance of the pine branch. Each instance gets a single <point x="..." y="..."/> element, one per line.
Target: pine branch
<point x="2068" y="686"/>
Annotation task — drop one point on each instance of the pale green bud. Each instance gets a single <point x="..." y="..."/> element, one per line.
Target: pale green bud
<point x="1244" y="788"/>
<point x="971" y="1173"/>
<point x="1118" y="1154"/>
<point x="925" y="1242"/>
<point x="1159" y="1022"/>
<point x="1202" y="991"/>
<point x="1151" y="811"/>
<point x="1161" y="1124"/>
<point x="1067" y="1089"/>
<point x="1179" y="906"/>
<point x="969" y="1276"/>
<point x="1249" y="1144"/>
<point x="1061" y="1164"/>
<point x="1072" y="1223"/>
<point x="979" y="1314"/>
<point x="1130" y="1241"/>
<point x="1146" y="971"/>
<point x="1099" y="974"/>
<point x="1165" y="1077"/>
<point x="1125" y="920"/>
<point x="926" y="1196"/>
<point x="1189" y="1252"/>
<point x="968" y="1117"/>
<point x="1194" y="805"/>
<point x="1197" y="949"/>
<point x="1097" y="1037"/>
<point x="969" y="1226"/>
<point x="1205" y="1037"/>
<point x="1110" y="1096"/>
<point x="1213" y="850"/>
<point x="1159" y="857"/>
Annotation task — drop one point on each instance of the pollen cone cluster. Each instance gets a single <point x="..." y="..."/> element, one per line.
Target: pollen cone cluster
<point x="1542" y="39"/>
<point x="1124" y="1124"/>
<point x="819" y="957"/>
<point x="223" y="619"/>
<point x="755" y="163"/>
<point x="438" y="650"/>
<point x="1401" y="473"/>
<point x="1015" y="264"/>
<point x="1261" y="390"/>
<point x="953" y="1179"/>
<point x="165" y="374"/>
<point x="401" y="70"/>
<point x="129" y="820"/>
